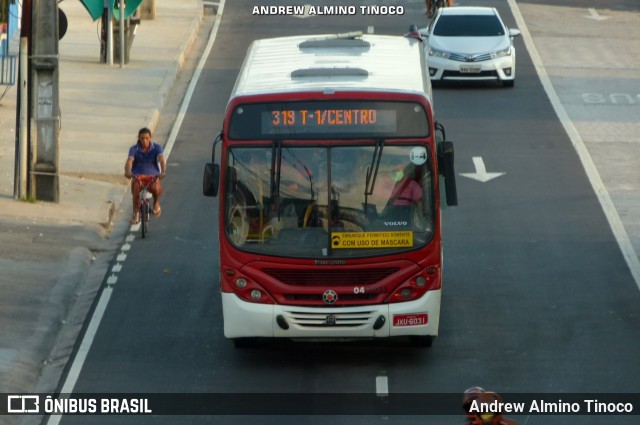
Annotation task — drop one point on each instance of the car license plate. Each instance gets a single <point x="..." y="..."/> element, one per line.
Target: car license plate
<point x="410" y="319"/>
<point x="470" y="69"/>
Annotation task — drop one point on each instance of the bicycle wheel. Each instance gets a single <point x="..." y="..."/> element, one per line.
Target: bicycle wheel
<point x="144" y="219"/>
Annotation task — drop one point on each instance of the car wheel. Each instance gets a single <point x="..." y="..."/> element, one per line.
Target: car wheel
<point x="508" y="83"/>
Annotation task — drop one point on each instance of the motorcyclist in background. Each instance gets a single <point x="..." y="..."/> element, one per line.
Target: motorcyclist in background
<point x="429" y="3"/>
<point x="479" y="395"/>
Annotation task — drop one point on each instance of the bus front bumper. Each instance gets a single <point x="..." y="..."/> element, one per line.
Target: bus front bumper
<point x="418" y="317"/>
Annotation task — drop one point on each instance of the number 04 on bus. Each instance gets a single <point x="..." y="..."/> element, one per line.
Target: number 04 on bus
<point x="329" y="178"/>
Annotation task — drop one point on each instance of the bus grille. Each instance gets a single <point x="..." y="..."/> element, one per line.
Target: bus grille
<point x="316" y="320"/>
<point x="336" y="277"/>
<point x="343" y="297"/>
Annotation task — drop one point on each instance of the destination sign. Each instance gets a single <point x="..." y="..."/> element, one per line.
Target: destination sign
<point x="328" y="119"/>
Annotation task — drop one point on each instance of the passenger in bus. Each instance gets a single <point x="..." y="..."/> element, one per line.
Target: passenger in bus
<point x="406" y="195"/>
<point x="407" y="190"/>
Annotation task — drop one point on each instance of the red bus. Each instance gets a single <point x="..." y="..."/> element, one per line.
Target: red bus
<point x="329" y="182"/>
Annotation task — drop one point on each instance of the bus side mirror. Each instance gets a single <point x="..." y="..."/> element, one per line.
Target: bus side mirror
<point x="211" y="179"/>
<point x="445" y="162"/>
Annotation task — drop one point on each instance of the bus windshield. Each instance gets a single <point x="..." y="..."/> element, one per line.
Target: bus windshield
<point x="329" y="201"/>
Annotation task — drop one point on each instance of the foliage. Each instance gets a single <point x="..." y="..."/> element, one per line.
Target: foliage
<point x="4" y="11"/>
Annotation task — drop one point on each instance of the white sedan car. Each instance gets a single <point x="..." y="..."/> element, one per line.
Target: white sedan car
<point x="471" y="43"/>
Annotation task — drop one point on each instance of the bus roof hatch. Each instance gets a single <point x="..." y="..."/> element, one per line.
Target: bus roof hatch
<point x="329" y="72"/>
<point x="347" y="39"/>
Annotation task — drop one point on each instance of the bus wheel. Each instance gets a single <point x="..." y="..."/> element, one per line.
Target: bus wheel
<point x="423" y="341"/>
<point x="245" y="342"/>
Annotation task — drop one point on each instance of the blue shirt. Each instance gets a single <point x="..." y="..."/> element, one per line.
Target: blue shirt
<point x="145" y="163"/>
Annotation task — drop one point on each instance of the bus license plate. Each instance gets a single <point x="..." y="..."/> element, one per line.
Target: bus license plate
<point x="410" y="319"/>
<point x="470" y="69"/>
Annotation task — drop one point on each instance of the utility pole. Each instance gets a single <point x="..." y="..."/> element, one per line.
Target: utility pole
<point x="122" y="43"/>
<point x="109" y="11"/>
<point x="20" y="177"/>
<point x="45" y="108"/>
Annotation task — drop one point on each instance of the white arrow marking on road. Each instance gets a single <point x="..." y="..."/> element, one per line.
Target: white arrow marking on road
<point x="593" y="14"/>
<point x="481" y="172"/>
<point x="305" y="14"/>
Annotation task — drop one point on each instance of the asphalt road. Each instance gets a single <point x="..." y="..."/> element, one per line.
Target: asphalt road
<point x="537" y="296"/>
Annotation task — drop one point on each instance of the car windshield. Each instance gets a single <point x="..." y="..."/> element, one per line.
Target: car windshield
<point x="337" y="202"/>
<point x="468" y="26"/>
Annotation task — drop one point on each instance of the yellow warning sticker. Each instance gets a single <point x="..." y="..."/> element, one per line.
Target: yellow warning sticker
<point x="352" y="240"/>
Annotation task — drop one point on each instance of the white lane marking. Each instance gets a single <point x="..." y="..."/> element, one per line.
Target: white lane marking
<point x="83" y="351"/>
<point x="305" y="15"/>
<point x="116" y="268"/>
<point x="111" y="280"/>
<point x="599" y="188"/>
<point x="370" y="29"/>
<point x="126" y="247"/>
<point x="87" y="340"/>
<point x="192" y="84"/>
<point x="382" y="386"/>
<point x="130" y="238"/>
<point x="481" y="174"/>
<point x="593" y="14"/>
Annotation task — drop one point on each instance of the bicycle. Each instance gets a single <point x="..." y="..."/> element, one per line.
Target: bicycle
<point x="144" y="208"/>
<point x="435" y="5"/>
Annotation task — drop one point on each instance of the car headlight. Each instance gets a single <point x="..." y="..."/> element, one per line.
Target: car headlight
<point x="501" y="53"/>
<point x="438" y="53"/>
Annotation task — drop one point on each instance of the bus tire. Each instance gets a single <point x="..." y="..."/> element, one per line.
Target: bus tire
<point x="422" y="341"/>
<point x="245" y="342"/>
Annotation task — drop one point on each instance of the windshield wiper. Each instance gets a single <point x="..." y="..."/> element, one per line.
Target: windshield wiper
<point x="372" y="173"/>
<point x="276" y="163"/>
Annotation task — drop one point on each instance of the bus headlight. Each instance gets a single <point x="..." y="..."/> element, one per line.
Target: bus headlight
<point x="241" y="283"/>
<point x="256" y="294"/>
<point x="421" y="281"/>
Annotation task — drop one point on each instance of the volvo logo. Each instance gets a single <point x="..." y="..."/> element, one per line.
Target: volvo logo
<point x="329" y="296"/>
<point x="330" y="320"/>
<point x="330" y="262"/>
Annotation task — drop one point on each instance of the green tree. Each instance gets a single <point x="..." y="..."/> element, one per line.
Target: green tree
<point x="4" y="11"/>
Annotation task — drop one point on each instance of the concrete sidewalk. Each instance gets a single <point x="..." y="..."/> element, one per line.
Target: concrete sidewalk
<point x="48" y="251"/>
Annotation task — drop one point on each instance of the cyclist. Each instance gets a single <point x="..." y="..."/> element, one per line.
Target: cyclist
<point x="449" y="3"/>
<point x="146" y="162"/>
